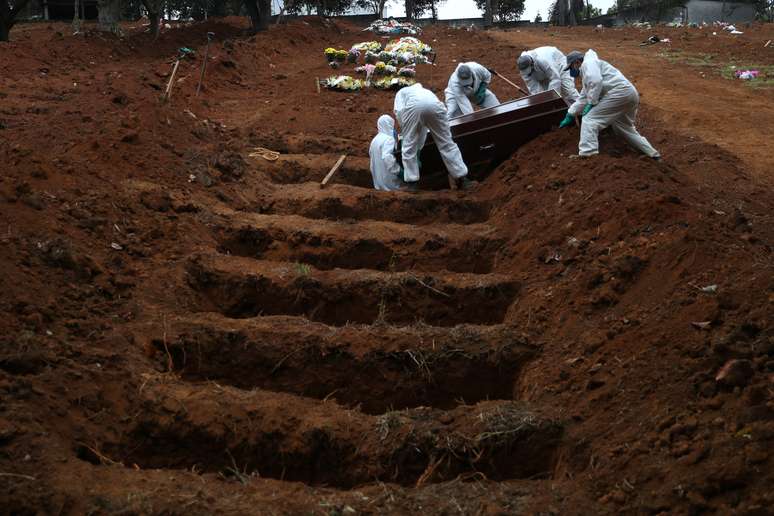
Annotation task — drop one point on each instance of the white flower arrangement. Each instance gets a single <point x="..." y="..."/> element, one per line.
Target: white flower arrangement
<point x="343" y="83"/>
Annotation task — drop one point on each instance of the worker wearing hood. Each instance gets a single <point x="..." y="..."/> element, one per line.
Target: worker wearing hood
<point x="418" y="112"/>
<point x="543" y="69"/>
<point x="469" y="85"/>
<point x="607" y="99"/>
<point x="384" y="167"/>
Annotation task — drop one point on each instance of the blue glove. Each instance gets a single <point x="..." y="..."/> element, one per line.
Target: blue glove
<point x="586" y="109"/>
<point x="567" y="122"/>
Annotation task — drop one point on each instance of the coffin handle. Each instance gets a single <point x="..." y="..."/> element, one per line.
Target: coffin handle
<point x="486" y="147"/>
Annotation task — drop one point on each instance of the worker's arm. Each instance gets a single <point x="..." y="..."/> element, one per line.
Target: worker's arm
<point x="577" y="107"/>
<point x="592" y="81"/>
<point x="533" y="86"/>
<point x="551" y="75"/>
<point x="463" y="102"/>
<point x="391" y="151"/>
<point x="483" y="74"/>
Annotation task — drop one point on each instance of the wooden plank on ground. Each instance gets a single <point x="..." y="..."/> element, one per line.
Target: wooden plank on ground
<point x="333" y="171"/>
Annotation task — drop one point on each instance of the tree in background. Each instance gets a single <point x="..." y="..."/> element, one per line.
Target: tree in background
<point x="764" y="10"/>
<point x="9" y="10"/>
<point x="488" y="19"/>
<point x="375" y="6"/>
<point x="259" y="12"/>
<point x="153" y="8"/>
<point x="108" y="15"/>
<point x="322" y="7"/>
<point x="503" y="10"/>
<point x="422" y="7"/>
<point x="574" y="11"/>
<point x="538" y="18"/>
<point x="410" y="9"/>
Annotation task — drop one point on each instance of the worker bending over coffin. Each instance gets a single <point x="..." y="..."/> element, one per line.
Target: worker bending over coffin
<point x="384" y="167"/>
<point x="543" y="69"/>
<point x="469" y="85"/>
<point x="607" y="99"/>
<point x="418" y="112"/>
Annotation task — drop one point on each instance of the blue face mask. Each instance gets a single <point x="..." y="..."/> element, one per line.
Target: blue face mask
<point x="574" y="72"/>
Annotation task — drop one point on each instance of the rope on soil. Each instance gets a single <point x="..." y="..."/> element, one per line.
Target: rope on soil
<point x="267" y="154"/>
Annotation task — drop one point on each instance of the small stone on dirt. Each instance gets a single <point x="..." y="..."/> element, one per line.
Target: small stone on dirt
<point x="131" y="137"/>
<point x="735" y="373"/>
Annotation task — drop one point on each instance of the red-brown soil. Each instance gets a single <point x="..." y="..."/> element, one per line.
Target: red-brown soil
<point x="190" y="330"/>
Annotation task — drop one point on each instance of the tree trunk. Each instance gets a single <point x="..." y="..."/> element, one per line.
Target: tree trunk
<point x="265" y="7"/>
<point x="109" y="14"/>
<point x="252" y="12"/>
<point x="155" y="22"/>
<point x="5" y="29"/>
<point x="380" y="13"/>
<point x="562" y="18"/>
<point x="259" y="12"/>
<point x="410" y="9"/>
<point x="488" y="15"/>
<point x="234" y="7"/>
<point x="154" y="15"/>
<point x="8" y="17"/>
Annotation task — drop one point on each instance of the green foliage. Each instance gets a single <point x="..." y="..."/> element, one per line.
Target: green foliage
<point x="321" y="7"/>
<point x="764" y="10"/>
<point x="504" y="10"/>
<point x="580" y="9"/>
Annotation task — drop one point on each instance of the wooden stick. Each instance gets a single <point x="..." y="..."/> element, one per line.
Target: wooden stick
<point x="317" y="82"/>
<point x="168" y="92"/>
<point x="204" y="66"/>
<point x="511" y="83"/>
<point x="333" y="171"/>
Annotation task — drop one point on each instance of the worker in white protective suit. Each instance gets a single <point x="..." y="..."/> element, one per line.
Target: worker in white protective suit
<point x="384" y="166"/>
<point x="469" y="85"/>
<point x="418" y="112"/>
<point x="607" y="99"/>
<point x="543" y="69"/>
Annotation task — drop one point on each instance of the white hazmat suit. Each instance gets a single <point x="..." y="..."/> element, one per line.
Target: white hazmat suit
<point x="461" y="93"/>
<point x="418" y="111"/>
<point x="547" y="73"/>
<point x="614" y="103"/>
<point x="384" y="168"/>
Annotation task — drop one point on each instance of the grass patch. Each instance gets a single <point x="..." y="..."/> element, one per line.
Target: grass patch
<point x="765" y="78"/>
<point x="725" y="70"/>
<point x="302" y="269"/>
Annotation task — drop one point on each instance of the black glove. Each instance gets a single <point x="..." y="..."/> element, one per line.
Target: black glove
<point x="397" y="151"/>
<point x="491" y="70"/>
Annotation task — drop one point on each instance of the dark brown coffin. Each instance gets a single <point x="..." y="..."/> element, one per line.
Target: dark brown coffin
<point x="490" y="136"/>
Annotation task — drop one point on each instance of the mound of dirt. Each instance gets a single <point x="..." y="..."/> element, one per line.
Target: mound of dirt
<point x="191" y="329"/>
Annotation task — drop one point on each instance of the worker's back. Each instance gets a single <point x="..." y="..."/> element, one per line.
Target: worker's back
<point x="409" y="97"/>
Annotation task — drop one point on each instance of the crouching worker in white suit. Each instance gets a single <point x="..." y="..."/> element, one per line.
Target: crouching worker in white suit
<point x="607" y="99"/>
<point x="418" y="111"/>
<point x="468" y="85"/>
<point x="543" y="69"/>
<point x="384" y="166"/>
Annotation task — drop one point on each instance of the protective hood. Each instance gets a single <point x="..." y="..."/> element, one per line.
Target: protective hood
<point x="386" y="125"/>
